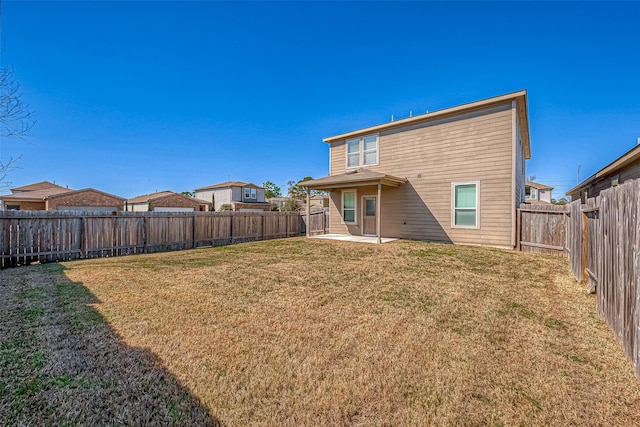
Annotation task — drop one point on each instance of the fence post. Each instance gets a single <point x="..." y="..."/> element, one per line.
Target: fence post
<point x="518" y="229"/>
<point x="585" y="247"/>
<point x="193" y="230"/>
<point x="263" y="215"/>
<point x="83" y="236"/>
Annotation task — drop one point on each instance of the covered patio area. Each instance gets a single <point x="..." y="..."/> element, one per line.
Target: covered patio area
<point x="369" y="215"/>
<point x="357" y="239"/>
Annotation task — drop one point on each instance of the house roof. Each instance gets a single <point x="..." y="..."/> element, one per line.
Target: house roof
<point x="44" y="185"/>
<point x="84" y="190"/>
<point x="44" y="194"/>
<point x="33" y="195"/>
<point x="537" y="185"/>
<point x="146" y="197"/>
<point x="228" y="184"/>
<point x="353" y="178"/>
<point x="622" y="161"/>
<point x="519" y="97"/>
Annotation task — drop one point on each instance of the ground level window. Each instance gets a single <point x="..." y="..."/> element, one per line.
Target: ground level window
<point x="465" y="205"/>
<point x="349" y="206"/>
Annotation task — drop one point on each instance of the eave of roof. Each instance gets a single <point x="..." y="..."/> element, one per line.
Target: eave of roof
<point x="521" y="105"/>
<point x="152" y="196"/>
<point x="43" y="185"/>
<point x="628" y="157"/>
<point x="353" y="178"/>
<point x="84" y="190"/>
<point x="228" y="184"/>
<point x="538" y="185"/>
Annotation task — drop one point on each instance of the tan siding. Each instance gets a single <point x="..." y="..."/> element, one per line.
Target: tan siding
<point x="476" y="146"/>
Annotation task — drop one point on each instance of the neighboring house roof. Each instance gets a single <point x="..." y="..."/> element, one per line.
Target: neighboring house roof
<point x="35" y="195"/>
<point x="619" y="163"/>
<point x="44" y="185"/>
<point x="229" y="184"/>
<point x="84" y="190"/>
<point x="537" y="185"/>
<point x="146" y="197"/>
<point x="519" y="97"/>
<point x="356" y="177"/>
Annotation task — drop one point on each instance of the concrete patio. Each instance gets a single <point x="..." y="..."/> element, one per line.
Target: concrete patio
<point x="349" y="238"/>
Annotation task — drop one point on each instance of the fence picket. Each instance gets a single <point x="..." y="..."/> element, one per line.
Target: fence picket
<point x="47" y="236"/>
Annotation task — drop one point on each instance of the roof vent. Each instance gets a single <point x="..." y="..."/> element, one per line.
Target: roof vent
<point x="352" y="171"/>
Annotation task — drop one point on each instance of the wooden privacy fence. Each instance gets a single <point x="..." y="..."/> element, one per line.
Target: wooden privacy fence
<point x="319" y="222"/>
<point x="604" y="239"/>
<point x="541" y="229"/>
<point x="27" y="236"/>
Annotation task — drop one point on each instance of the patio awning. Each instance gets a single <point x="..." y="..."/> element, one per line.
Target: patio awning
<point x="353" y="178"/>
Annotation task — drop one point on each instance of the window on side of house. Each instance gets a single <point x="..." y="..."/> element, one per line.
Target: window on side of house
<point x="362" y="151"/>
<point x="247" y="193"/>
<point x="349" y="206"/>
<point x="465" y="205"/>
<point x="254" y="194"/>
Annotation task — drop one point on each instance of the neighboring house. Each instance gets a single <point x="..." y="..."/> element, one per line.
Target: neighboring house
<point x="318" y="203"/>
<point x="278" y="201"/>
<point x="242" y="196"/>
<point x="622" y="169"/>
<point x="166" y="201"/>
<point x="536" y="193"/>
<point x="454" y="175"/>
<point x="48" y="196"/>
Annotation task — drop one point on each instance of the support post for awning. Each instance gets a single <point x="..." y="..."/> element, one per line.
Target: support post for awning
<point x="378" y="209"/>
<point x="308" y="213"/>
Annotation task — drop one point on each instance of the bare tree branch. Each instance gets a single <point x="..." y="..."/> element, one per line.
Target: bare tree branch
<point x="16" y="119"/>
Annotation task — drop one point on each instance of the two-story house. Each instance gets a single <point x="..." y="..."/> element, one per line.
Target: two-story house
<point x="454" y="175"/>
<point x="238" y="195"/>
<point x="535" y="192"/>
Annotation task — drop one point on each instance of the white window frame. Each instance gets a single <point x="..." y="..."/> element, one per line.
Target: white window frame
<point x="355" y="206"/>
<point x="361" y="151"/>
<point x="247" y="193"/>
<point x="453" y="205"/>
<point x="254" y="194"/>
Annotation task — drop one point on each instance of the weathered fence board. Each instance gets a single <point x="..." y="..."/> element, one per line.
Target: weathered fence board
<point x="542" y="229"/>
<point x="319" y="222"/>
<point x="603" y="241"/>
<point x="45" y="236"/>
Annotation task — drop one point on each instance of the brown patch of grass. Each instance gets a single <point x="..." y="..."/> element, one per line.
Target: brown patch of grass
<point x="300" y="332"/>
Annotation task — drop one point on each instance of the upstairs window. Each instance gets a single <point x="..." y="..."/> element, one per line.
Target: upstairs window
<point x="530" y="193"/>
<point x="247" y="193"/>
<point x="362" y="151"/>
<point x="253" y="194"/>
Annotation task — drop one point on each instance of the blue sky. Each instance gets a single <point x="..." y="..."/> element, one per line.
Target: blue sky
<point x="134" y="97"/>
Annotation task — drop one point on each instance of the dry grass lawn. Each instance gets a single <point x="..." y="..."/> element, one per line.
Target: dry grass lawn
<point x="299" y="332"/>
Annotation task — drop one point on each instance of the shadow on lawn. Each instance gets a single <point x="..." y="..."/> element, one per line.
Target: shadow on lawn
<point x="61" y="363"/>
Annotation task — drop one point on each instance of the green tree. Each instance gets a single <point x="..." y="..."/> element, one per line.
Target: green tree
<point x="296" y="191"/>
<point x="188" y="193"/>
<point x="291" y="205"/>
<point x="271" y="190"/>
<point x="225" y="207"/>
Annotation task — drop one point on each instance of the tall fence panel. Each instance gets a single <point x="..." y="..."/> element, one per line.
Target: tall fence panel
<point x="319" y="222"/>
<point x="603" y="241"/>
<point x="28" y="236"/>
<point x="542" y="229"/>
